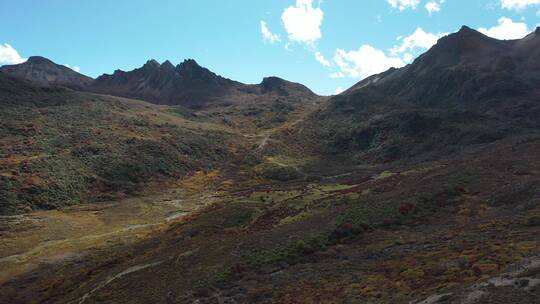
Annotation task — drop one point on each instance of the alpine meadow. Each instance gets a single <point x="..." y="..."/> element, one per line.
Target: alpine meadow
<point x="297" y="151"/>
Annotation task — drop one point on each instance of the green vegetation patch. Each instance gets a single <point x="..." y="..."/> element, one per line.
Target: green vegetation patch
<point x="90" y="148"/>
<point x="291" y="253"/>
<point x="278" y="172"/>
<point x="227" y="217"/>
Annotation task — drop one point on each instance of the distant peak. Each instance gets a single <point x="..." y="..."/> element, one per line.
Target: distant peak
<point x="465" y="29"/>
<point x="537" y="32"/>
<point x="152" y="63"/>
<point x="191" y="68"/>
<point x="39" y="59"/>
<point x="189" y="63"/>
<point x="272" y="80"/>
<point x="465" y="33"/>
<point x="272" y="83"/>
<point x="167" y="64"/>
<point x="468" y="32"/>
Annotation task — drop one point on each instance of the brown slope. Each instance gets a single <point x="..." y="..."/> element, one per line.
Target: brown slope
<point x="60" y="147"/>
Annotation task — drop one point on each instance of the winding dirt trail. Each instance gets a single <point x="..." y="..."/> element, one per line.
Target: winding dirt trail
<point x="115" y="277"/>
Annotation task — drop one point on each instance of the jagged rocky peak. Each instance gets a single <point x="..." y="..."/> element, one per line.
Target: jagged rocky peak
<point x="189" y="65"/>
<point x="466" y="35"/>
<point x="466" y="29"/>
<point x="167" y="65"/>
<point x="537" y="32"/>
<point x="151" y="64"/>
<point x="189" y="62"/>
<point x="190" y="69"/>
<point x="187" y="84"/>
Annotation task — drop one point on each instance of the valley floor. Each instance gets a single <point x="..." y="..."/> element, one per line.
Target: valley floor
<point x="437" y="232"/>
<point x="56" y="236"/>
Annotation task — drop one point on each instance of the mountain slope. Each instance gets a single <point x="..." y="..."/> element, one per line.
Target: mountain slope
<point x="86" y="147"/>
<point x="468" y="89"/>
<point x="464" y="67"/>
<point x="60" y="147"/>
<point x="44" y="72"/>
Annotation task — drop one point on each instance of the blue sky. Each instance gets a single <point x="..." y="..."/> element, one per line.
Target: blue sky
<point x="327" y="45"/>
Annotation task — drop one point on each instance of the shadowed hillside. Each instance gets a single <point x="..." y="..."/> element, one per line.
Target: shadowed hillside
<point x="467" y="90"/>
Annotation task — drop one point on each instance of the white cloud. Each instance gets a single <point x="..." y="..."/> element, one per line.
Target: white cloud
<point x="404" y="4"/>
<point x="339" y="90"/>
<point x="507" y="29"/>
<point x="9" y="55"/>
<point x="320" y="58"/>
<point x="419" y="40"/>
<point x="518" y="4"/>
<point x="407" y="57"/>
<point x="365" y="61"/>
<point x="75" y="68"/>
<point x="538" y="13"/>
<point x="337" y="75"/>
<point x="287" y="47"/>
<point x="303" y="22"/>
<point x="268" y="36"/>
<point x="434" y="6"/>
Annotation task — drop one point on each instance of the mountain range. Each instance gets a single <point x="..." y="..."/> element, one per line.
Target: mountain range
<point x="188" y="84"/>
<point x="172" y="184"/>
